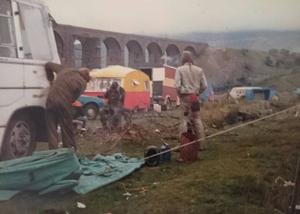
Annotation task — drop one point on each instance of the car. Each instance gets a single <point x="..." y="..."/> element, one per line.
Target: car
<point x="91" y="105"/>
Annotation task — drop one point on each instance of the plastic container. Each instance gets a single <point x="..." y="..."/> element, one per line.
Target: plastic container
<point x="165" y="157"/>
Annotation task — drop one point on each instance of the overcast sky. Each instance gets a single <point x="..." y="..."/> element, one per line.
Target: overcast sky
<point x="177" y="16"/>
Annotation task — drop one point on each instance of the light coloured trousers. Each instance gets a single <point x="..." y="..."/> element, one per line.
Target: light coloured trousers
<point x="194" y="117"/>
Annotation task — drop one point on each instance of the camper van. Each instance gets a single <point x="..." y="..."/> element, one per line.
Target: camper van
<point x="26" y="43"/>
<point x="163" y="90"/>
<point x="134" y="82"/>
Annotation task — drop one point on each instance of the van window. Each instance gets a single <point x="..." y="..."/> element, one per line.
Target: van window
<point x="106" y="83"/>
<point x="34" y="30"/>
<point x="8" y="47"/>
<point x="101" y="84"/>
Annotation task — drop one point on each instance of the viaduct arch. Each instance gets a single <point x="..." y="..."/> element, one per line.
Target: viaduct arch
<point x="83" y="47"/>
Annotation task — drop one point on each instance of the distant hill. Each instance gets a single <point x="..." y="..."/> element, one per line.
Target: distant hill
<point x="228" y="67"/>
<point x="254" y="40"/>
<point x="245" y="58"/>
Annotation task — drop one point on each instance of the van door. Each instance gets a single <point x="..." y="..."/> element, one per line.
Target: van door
<point x="12" y="75"/>
<point x="35" y="30"/>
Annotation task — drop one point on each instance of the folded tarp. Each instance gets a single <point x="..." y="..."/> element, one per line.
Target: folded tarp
<point x="53" y="170"/>
<point x="36" y="172"/>
<point x="103" y="170"/>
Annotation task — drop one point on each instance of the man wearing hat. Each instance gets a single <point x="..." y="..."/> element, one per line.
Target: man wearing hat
<point x="190" y="82"/>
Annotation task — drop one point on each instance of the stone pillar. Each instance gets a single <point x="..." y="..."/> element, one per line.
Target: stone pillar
<point x="68" y="58"/>
<point x="121" y="61"/>
<point x="91" y="57"/>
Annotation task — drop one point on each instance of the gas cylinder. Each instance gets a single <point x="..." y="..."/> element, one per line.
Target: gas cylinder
<point x="189" y="153"/>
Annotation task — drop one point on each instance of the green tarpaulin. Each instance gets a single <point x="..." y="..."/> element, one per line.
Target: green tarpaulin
<point x="53" y="170"/>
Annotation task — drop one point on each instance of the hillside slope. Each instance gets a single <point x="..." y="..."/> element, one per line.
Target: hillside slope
<point x="226" y="68"/>
<point x="262" y="40"/>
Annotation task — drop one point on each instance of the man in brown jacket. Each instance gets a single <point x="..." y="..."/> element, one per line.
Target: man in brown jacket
<point x="190" y="82"/>
<point x="68" y="85"/>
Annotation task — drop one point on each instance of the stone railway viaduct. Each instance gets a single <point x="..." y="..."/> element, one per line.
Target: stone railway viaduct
<point x="83" y="47"/>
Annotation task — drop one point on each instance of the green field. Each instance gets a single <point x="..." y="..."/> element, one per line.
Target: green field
<point x="240" y="173"/>
<point x="243" y="171"/>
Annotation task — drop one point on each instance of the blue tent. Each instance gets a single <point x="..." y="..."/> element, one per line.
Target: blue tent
<point x="208" y="94"/>
<point x="297" y="91"/>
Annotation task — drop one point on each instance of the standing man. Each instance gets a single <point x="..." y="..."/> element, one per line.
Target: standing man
<point x="190" y="83"/>
<point x="65" y="89"/>
<point x="115" y="96"/>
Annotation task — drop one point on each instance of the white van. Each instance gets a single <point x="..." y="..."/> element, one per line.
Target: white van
<point x="239" y="92"/>
<point x="26" y="43"/>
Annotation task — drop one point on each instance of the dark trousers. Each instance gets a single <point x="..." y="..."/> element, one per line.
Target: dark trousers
<point x="60" y="115"/>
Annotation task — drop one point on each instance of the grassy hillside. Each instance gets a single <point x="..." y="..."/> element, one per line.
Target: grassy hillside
<point x="283" y="82"/>
<point x="256" y="40"/>
<point x="233" y="67"/>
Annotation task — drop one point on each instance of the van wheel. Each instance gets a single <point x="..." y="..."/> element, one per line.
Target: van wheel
<point x="91" y="111"/>
<point x="19" y="139"/>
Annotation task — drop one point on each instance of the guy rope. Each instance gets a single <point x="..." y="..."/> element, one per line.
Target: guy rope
<point x="225" y="131"/>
